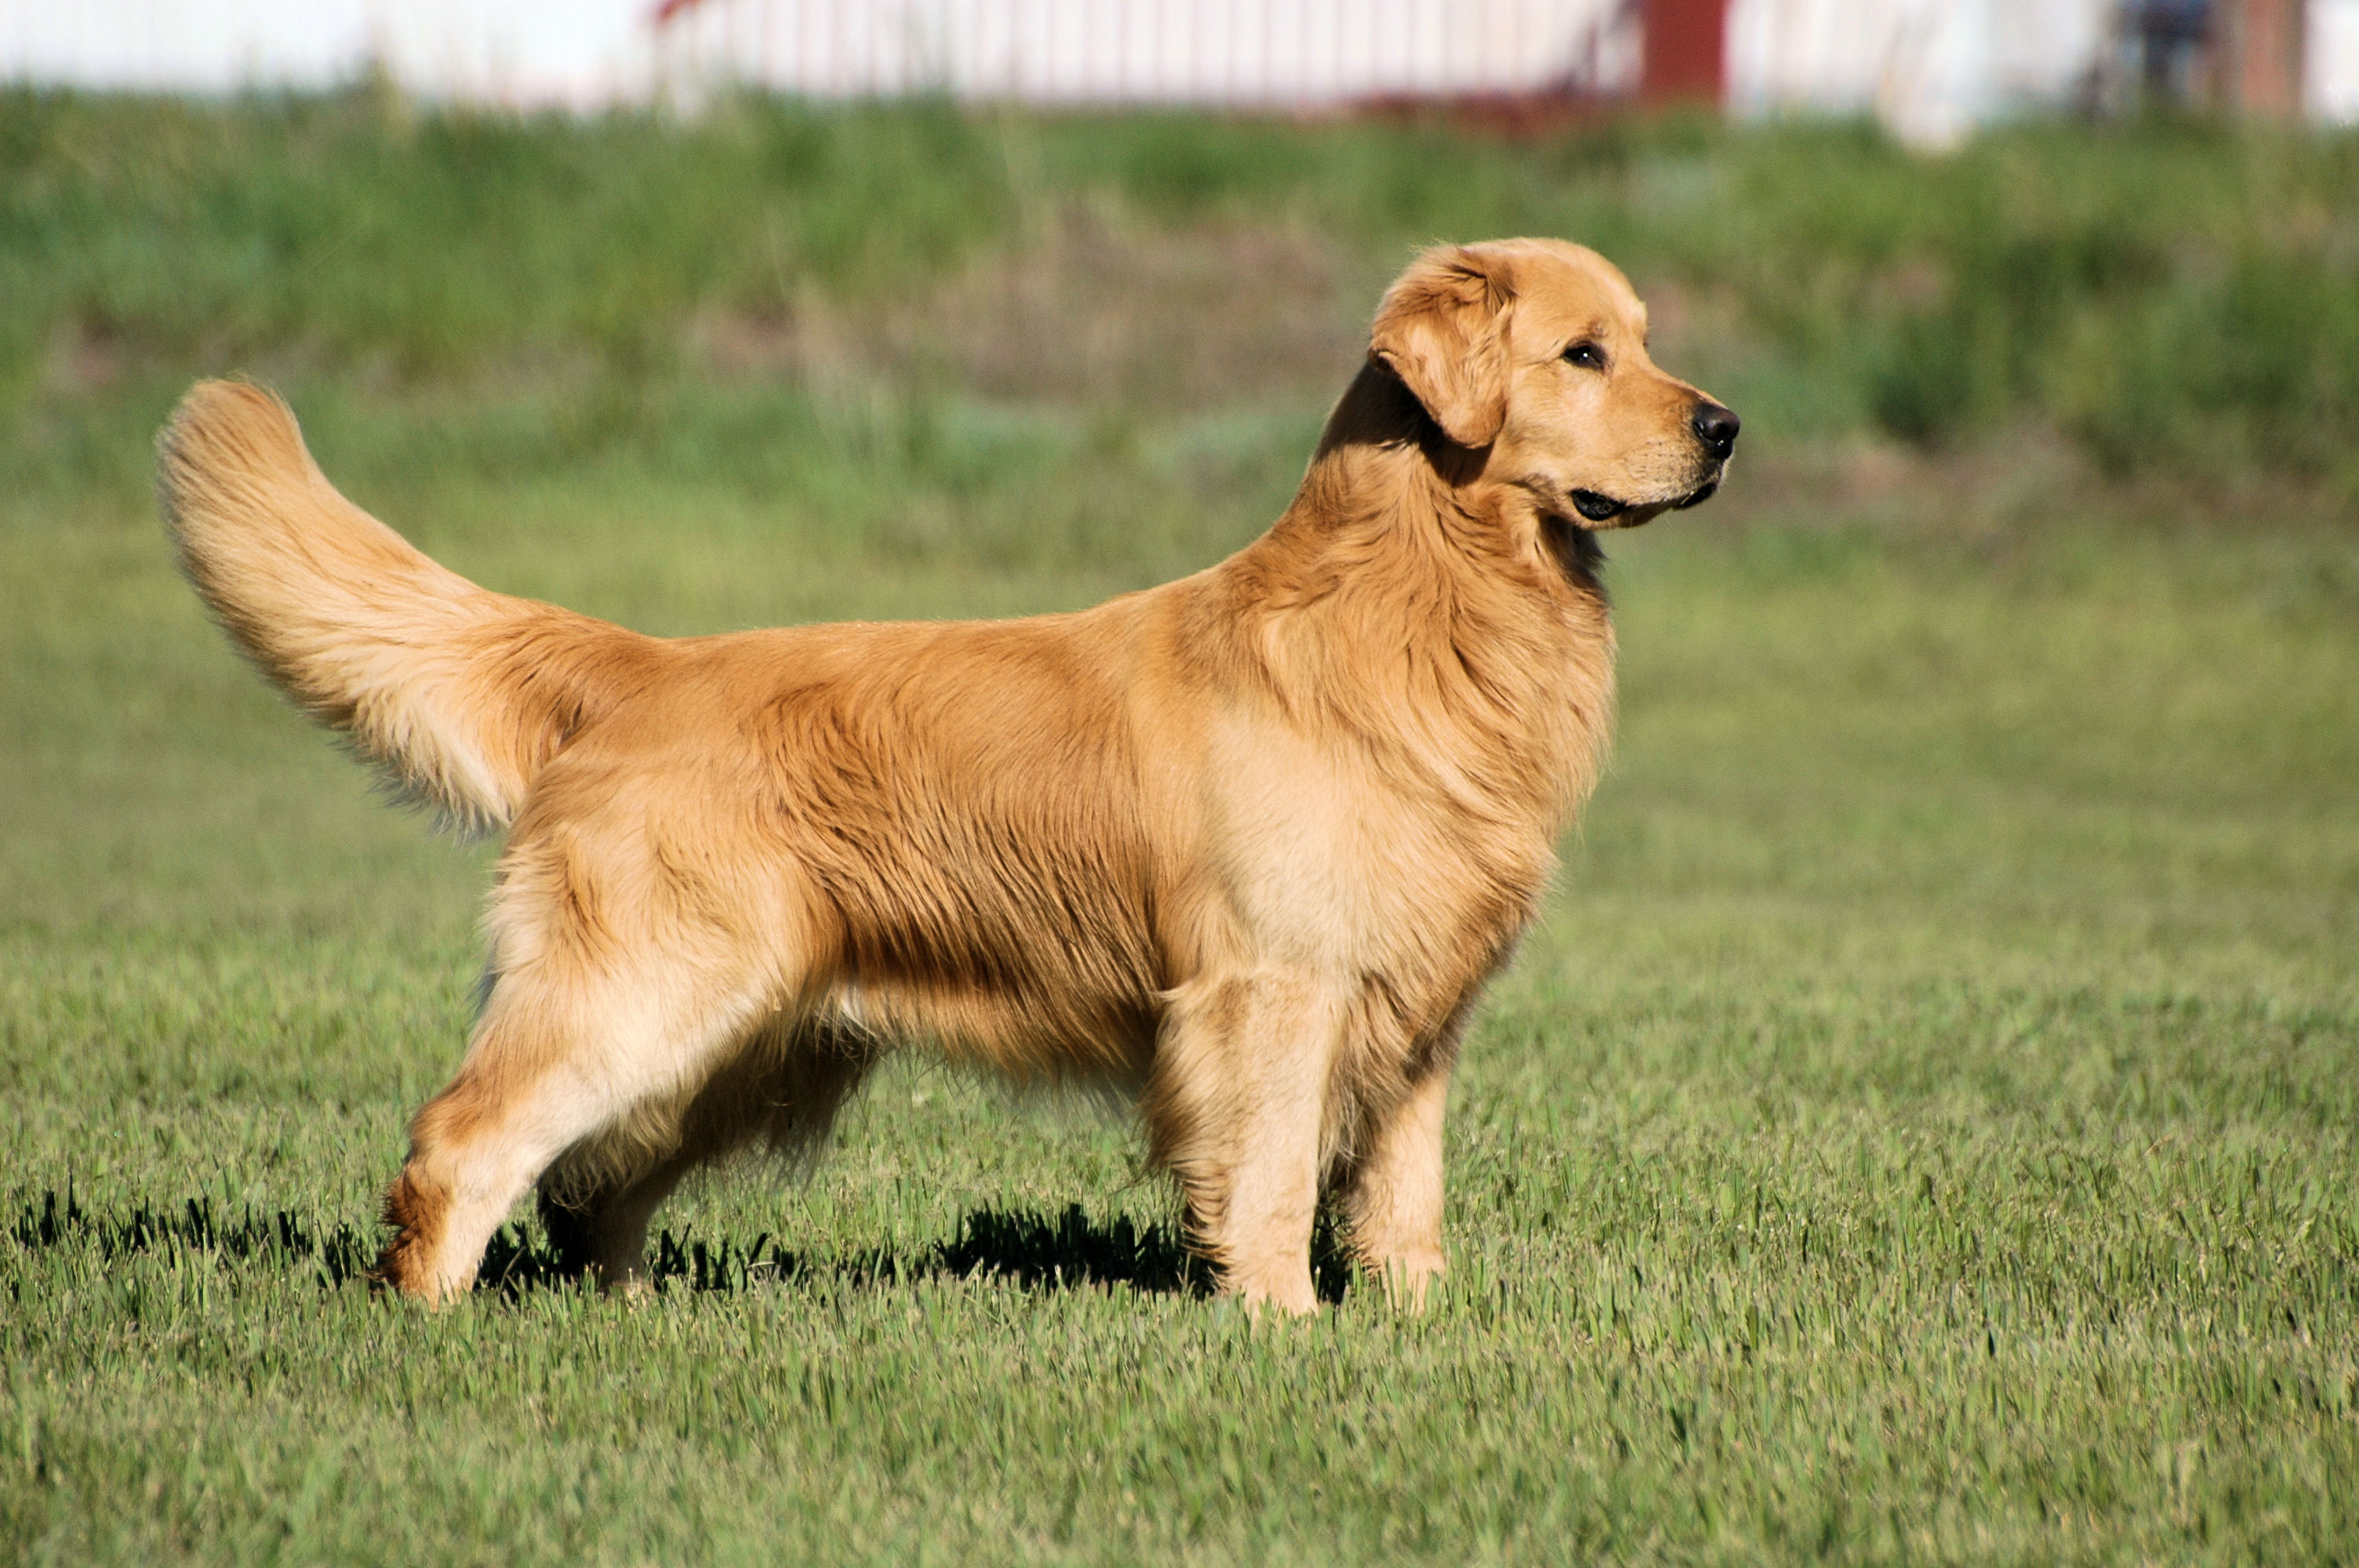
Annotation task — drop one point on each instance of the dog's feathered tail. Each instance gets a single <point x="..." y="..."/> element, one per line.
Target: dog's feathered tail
<point x="460" y="695"/>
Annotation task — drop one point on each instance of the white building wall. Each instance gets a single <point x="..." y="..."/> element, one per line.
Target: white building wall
<point x="2331" y="62"/>
<point x="1932" y="69"/>
<point x="588" y="51"/>
<point x="527" y="52"/>
<point x="1234" y="51"/>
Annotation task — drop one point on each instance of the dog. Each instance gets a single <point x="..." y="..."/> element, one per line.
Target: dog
<point x="1247" y="845"/>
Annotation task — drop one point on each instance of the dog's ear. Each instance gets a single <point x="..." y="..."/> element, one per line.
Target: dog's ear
<point x="1442" y="328"/>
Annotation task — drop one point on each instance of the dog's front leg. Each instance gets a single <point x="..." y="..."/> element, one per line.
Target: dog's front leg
<point x="1237" y="1106"/>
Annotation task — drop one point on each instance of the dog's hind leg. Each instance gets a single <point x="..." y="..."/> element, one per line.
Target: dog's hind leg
<point x="808" y="1072"/>
<point x="1236" y="1106"/>
<point x="783" y="1085"/>
<point x="563" y="1054"/>
<point x="599" y="1230"/>
<point x="1392" y="1196"/>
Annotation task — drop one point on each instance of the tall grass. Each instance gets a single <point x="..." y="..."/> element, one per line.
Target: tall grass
<point x="2176" y="296"/>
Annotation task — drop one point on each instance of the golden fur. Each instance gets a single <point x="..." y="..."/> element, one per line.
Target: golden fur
<point x="1249" y="843"/>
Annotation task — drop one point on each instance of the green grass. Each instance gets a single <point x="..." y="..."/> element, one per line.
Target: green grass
<point x="1920" y="1128"/>
<point x="2182" y="298"/>
<point x="1922" y="1125"/>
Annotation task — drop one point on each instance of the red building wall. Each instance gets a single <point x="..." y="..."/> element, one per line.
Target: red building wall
<point x="1686" y="52"/>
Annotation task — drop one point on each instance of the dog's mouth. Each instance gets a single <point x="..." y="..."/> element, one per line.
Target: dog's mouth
<point x="1594" y="506"/>
<point x="1597" y="508"/>
<point x="1697" y="496"/>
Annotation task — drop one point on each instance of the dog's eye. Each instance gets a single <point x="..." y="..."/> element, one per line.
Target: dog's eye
<point x="1587" y="355"/>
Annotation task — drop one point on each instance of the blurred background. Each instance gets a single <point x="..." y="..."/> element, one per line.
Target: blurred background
<point x="707" y="313"/>
<point x="1930" y="68"/>
<point x="2115" y="236"/>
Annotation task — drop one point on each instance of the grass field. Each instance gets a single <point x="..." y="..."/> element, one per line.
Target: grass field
<point x="1921" y="1128"/>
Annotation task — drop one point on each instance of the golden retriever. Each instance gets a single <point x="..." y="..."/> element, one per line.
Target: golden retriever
<point x="1247" y="845"/>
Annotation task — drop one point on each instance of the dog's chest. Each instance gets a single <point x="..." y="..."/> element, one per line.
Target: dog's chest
<point x="1328" y="853"/>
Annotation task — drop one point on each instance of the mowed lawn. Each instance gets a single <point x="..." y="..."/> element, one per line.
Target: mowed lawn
<point x="1920" y="1129"/>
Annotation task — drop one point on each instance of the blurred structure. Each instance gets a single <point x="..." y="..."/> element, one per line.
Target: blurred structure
<point x="2243" y="56"/>
<point x="1269" y="53"/>
<point x="2163" y="45"/>
<point x="2257" y="48"/>
<point x="1932" y="70"/>
<point x="523" y="53"/>
<point x="1684" y="52"/>
<point x="2331" y="62"/>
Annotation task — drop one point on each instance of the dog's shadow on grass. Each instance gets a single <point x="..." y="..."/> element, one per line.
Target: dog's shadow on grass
<point x="1024" y="1247"/>
<point x="337" y="1253"/>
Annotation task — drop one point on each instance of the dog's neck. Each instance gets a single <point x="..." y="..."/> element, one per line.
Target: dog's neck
<point x="1408" y="591"/>
<point x="1386" y="481"/>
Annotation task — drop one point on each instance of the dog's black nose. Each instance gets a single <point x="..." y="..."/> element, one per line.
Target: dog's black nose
<point x="1717" y="428"/>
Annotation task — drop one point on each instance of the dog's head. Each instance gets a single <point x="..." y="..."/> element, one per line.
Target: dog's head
<point x="1537" y="351"/>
